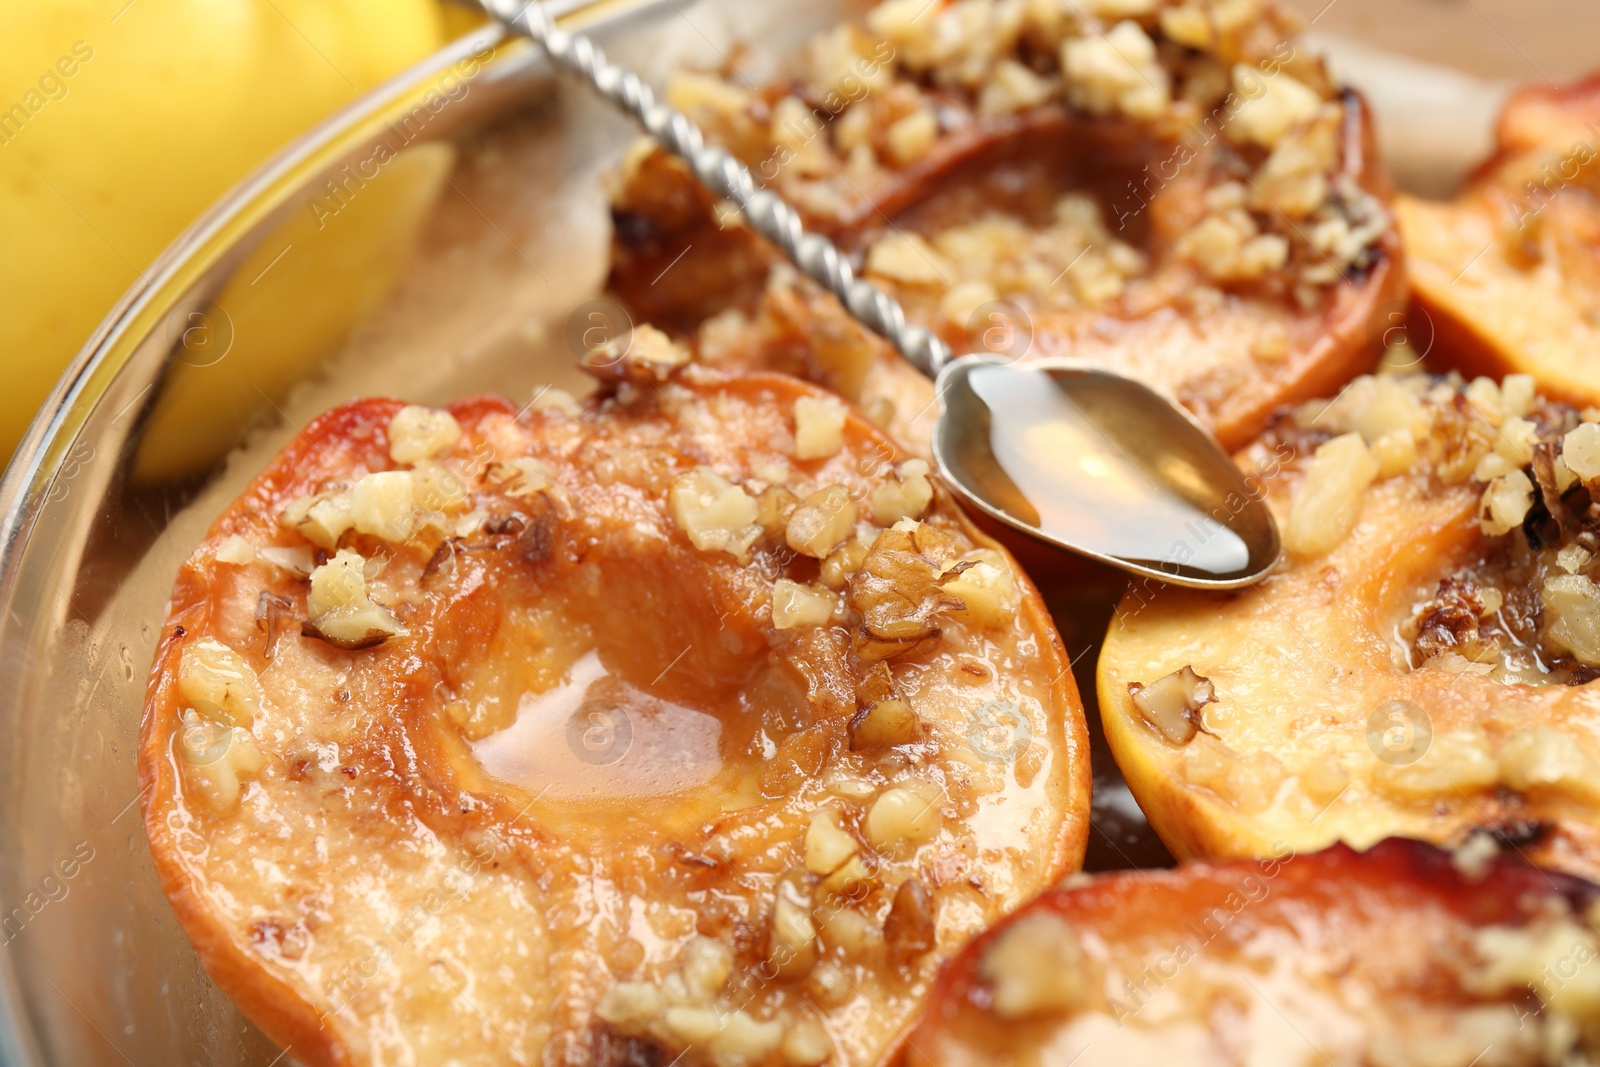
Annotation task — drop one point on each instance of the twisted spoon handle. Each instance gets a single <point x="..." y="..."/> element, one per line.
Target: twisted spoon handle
<point x="767" y="213"/>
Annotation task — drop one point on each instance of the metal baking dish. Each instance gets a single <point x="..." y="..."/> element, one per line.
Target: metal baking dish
<point x="438" y="234"/>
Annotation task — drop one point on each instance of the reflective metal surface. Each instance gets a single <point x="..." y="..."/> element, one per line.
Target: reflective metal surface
<point x="1104" y="466"/>
<point x="429" y="242"/>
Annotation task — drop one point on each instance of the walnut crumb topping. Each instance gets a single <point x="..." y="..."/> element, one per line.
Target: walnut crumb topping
<point x="1035" y="967"/>
<point x="421" y="433"/>
<point x="715" y="514"/>
<point x="339" y="609"/>
<point x="1173" y="703"/>
<point x="1526" y="607"/>
<point x="900" y="589"/>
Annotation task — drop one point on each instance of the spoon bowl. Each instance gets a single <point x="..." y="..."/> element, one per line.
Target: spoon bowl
<point x="1103" y="466"/>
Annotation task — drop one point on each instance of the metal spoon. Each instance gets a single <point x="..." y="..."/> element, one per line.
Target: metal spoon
<point x="1074" y="455"/>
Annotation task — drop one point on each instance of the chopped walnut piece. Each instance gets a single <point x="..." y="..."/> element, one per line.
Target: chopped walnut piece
<point x="1506" y="503"/>
<point x="551" y="398"/>
<point x="1572" y="608"/>
<point x="987" y="590"/>
<point x="828" y="846"/>
<point x="793" y="945"/>
<point x="904" y="496"/>
<point x="902" y="817"/>
<point x="707" y="965"/>
<point x="642" y="354"/>
<point x="899" y="589"/>
<point x="795" y="605"/>
<point x="822" y="522"/>
<point x="715" y="514"/>
<point x="1271" y="343"/>
<point x="1396" y="453"/>
<point x="797" y="128"/>
<point x="1554" y="957"/>
<point x="1123" y="9"/>
<point x="1116" y="72"/>
<point x="630" y="1005"/>
<point x="1035" y="966"/>
<point x="740" y="1038"/>
<point x="236" y="550"/>
<point x="962" y="300"/>
<point x="1270" y="105"/>
<point x="912" y="137"/>
<point x="1294" y="179"/>
<point x="1173" y="702"/>
<point x="1230" y="247"/>
<point x="908" y="258"/>
<point x="1517" y="394"/>
<point x="384" y="505"/>
<point x="842" y="60"/>
<point x="1516" y="440"/>
<point x="1013" y="87"/>
<point x="807" y="1044"/>
<point x="299" y="559"/>
<point x="850" y="933"/>
<point x="218" y="682"/>
<point x="340" y="612"/>
<point x="1581" y="450"/>
<point x="883" y="724"/>
<point x="849" y="881"/>
<point x="773" y="508"/>
<point x="1552" y="479"/>
<point x="1483" y="396"/>
<point x="875" y="685"/>
<point x="691" y="91"/>
<point x="909" y="928"/>
<point x="437" y="490"/>
<point x="416" y="432"/>
<point x="523" y="477"/>
<point x="1450" y="621"/>
<point x="392" y="505"/>
<point x="1328" y="501"/>
<point x="216" y="758"/>
<point x="818" y="427"/>
<point x="844" y="561"/>
<point x="829" y="985"/>
<point x="1378" y="406"/>
<point x="693" y="1024"/>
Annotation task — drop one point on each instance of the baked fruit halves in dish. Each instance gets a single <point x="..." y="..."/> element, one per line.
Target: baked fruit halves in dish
<point x="1402" y="956"/>
<point x="1420" y="663"/>
<point x="1506" y="277"/>
<point x="687" y="721"/>
<point x="1176" y="190"/>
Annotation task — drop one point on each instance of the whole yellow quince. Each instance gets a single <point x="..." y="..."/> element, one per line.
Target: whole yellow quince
<point x="122" y="120"/>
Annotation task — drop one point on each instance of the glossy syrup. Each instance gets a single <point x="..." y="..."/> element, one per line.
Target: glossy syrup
<point x="595" y="738"/>
<point x="1075" y="453"/>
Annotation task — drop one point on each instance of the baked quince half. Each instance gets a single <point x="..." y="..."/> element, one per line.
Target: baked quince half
<point x="1508" y="273"/>
<point x="1420" y="662"/>
<point x="1176" y="190"/>
<point x="688" y="724"/>
<point x="1404" y="955"/>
